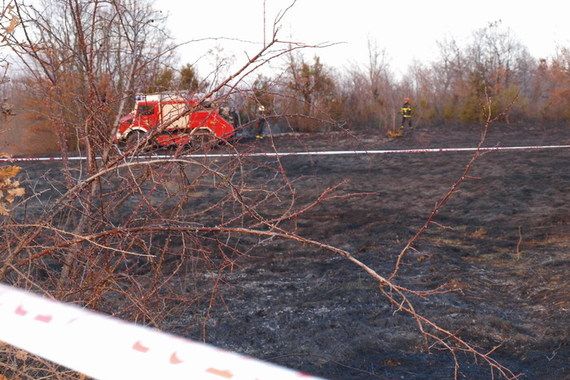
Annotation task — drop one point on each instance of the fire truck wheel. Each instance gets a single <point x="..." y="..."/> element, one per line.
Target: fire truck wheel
<point x="204" y="140"/>
<point x="133" y="139"/>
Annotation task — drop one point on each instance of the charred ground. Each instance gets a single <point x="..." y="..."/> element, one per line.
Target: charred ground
<point x="504" y="247"/>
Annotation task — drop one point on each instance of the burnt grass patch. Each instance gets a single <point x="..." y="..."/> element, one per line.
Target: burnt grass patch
<point x="502" y="243"/>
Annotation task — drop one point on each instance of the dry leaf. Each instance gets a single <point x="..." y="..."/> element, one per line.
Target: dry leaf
<point x="9" y="189"/>
<point x="9" y="171"/>
<point x="21" y="355"/>
<point x="13" y="193"/>
<point x="393" y="134"/>
<point x="13" y="24"/>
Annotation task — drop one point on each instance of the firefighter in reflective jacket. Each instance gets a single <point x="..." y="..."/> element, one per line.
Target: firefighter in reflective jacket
<point x="406" y="112"/>
<point x="261" y="122"/>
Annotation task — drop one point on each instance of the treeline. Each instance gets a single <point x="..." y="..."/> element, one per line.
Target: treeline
<point x="494" y="68"/>
<point x="497" y="66"/>
<point x="86" y="62"/>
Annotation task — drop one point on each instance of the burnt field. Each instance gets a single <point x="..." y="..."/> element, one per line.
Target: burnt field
<point x="501" y="244"/>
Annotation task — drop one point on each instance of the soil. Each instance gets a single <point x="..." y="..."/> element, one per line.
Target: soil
<point x="505" y="247"/>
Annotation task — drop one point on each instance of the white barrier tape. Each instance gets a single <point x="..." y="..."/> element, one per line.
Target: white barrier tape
<point x="106" y="348"/>
<point x="313" y="153"/>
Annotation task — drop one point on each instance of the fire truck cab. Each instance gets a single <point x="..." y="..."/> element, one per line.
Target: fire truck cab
<point x="178" y="117"/>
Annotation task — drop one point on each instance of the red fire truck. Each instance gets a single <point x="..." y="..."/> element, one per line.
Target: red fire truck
<point x="182" y="120"/>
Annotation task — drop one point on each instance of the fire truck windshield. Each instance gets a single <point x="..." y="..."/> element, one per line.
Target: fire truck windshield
<point x="145" y="110"/>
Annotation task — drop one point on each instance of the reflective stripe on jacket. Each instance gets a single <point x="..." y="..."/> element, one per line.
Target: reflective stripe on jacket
<point x="406" y="110"/>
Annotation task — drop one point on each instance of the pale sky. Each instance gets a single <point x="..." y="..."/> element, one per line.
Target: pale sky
<point x="407" y="30"/>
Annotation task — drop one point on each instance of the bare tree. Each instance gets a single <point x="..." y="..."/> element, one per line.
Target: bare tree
<point x="11" y="21"/>
<point x="123" y="235"/>
<point x="313" y="88"/>
<point x="371" y="95"/>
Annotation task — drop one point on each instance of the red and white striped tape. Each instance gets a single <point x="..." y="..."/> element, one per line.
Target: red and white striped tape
<point x="107" y="348"/>
<point x="314" y="153"/>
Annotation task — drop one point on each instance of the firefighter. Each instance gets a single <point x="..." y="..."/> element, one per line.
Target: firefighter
<point x="406" y="112"/>
<point x="261" y="122"/>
